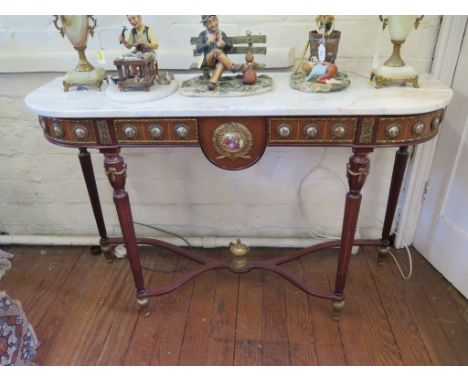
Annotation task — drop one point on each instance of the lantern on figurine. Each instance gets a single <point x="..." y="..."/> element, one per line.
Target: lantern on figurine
<point x="76" y="28"/>
<point x="395" y="69"/>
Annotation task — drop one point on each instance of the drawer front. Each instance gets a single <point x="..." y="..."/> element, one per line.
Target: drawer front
<point x="394" y="130"/>
<point x="310" y="131"/>
<point x="67" y="131"/>
<point x="156" y="131"/>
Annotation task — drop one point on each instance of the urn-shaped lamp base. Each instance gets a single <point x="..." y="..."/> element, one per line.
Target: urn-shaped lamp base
<point x="385" y="75"/>
<point x="93" y="78"/>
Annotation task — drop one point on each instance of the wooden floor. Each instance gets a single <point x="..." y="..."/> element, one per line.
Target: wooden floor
<point x="84" y="312"/>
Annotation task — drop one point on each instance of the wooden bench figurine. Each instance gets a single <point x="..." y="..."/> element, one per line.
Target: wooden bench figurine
<point x="212" y="45"/>
<point x="241" y="45"/>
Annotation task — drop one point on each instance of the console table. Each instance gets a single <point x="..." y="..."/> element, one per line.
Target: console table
<point x="233" y="133"/>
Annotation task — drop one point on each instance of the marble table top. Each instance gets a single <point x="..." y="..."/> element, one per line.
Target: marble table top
<point x="360" y="98"/>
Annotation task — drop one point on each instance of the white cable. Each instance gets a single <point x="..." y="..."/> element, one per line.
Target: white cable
<point x="317" y="235"/>
<point x="410" y="260"/>
<point x="410" y="257"/>
<point x="303" y="209"/>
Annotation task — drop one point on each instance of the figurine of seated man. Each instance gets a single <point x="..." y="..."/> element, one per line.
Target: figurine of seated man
<point x="214" y="44"/>
<point x="141" y="41"/>
<point x="320" y="71"/>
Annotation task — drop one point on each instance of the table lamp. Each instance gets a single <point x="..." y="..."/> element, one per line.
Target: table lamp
<point x="395" y="69"/>
<point x="76" y="28"/>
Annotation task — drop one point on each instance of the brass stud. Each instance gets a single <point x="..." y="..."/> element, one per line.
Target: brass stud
<point x="338" y="130"/>
<point x="435" y="123"/>
<point x="80" y="132"/>
<point x="156" y="131"/>
<point x="312" y="130"/>
<point x="130" y="131"/>
<point x="182" y="131"/>
<point x="418" y="128"/>
<point x="284" y="130"/>
<point x="393" y="130"/>
<point x="57" y="130"/>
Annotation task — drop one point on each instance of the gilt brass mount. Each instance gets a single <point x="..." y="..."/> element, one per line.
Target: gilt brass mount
<point x="383" y="253"/>
<point x="239" y="250"/>
<point x="232" y="140"/>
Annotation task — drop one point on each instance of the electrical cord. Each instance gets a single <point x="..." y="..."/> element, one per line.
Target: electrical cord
<point x="410" y="260"/>
<point x="302" y="208"/>
<point x="164" y="231"/>
<point x="317" y="235"/>
<point x="392" y="255"/>
<point x="169" y="233"/>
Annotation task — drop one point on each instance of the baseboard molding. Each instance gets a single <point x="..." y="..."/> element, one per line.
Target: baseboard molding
<point x="200" y="242"/>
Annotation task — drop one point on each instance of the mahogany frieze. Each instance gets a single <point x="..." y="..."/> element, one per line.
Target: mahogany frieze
<point x="251" y="133"/>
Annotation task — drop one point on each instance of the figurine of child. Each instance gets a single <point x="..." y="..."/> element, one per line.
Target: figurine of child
<point x="249" y="76"/>
<point x="320" y="71"/>
<point x="214" y="44"/>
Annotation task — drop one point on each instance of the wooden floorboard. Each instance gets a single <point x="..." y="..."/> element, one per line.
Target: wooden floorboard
<point x="328" y="342"/>
<point x="275" y="349"/>
<point x="302" y="346"/>
<point x="446" y="303"/>
<point x="249" y="326"/>
<point x="378" y="335"/>
<point x="84" y="312"/>
<point x="194" y="349"/>
<point x="400" y="317"/>
<point x="222" y="336"/>
<point x="144" y="337"/>
<point x="174" y="308"/>
<point x="58" y="311"/>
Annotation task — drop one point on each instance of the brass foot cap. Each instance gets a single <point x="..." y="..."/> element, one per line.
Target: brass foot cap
<point x="106" y="249"/>
<point x="383" y="252"/>
<point x="337" y="307"/>
<point x="142" y="301"/>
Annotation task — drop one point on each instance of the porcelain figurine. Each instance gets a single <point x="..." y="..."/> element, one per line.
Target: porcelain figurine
<point x="319" y="74"/>
<point x="319" y="71"/>
<point x="137" y="69"/>
<point x="249" y="76"/>
<point x="141" y="40"/>
<point x="214" y="45"/>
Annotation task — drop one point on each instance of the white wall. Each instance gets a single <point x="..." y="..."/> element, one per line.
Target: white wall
<point x="42" y="192"/>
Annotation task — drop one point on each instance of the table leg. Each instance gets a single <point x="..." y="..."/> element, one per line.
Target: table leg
<point x="90" y="180"/>
<point x="122" y="77"/>
<point x="357" y="171"/>
<point x="116" y="171"/>
<point x="399" y="167"/>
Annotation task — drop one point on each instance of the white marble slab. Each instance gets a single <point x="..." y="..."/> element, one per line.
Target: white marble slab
<point x="360" y="98"/>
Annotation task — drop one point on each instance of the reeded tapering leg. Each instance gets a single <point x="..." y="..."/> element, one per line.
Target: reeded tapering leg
<point x="90" y="180"/>
<point x="399" y="167"/>
<point x="116" y="171"/>
<point x="357" y="171"/>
